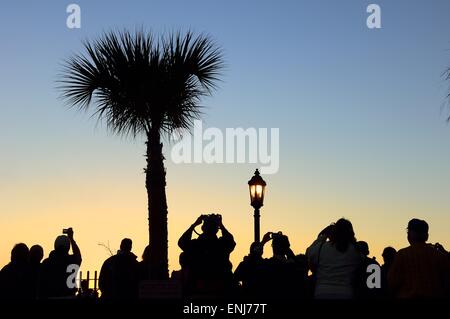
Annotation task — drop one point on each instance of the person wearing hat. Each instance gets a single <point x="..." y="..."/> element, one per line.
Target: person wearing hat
<point x="54" y="275"/>
<point x="420" y="270"/>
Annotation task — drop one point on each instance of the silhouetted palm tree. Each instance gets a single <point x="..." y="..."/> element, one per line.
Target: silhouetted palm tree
<point x="143" y="85"/>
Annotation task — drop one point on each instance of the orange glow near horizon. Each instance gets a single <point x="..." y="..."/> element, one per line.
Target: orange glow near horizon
<point x="102" y="211"/>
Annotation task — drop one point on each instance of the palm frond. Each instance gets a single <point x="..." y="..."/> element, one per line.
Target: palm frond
<point x="136" y="83"/>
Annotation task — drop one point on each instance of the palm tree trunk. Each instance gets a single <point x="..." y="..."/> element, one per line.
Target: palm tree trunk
<point x="155" y="182"/>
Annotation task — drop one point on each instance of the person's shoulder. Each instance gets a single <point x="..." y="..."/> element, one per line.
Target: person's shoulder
<point x="110" y="259"/>
<point x="45" y="262"/>
<point x="371" y="261"/>
<point x="6" y="268"/>
<point x="403" y="252"/>
<point x="301" y="258"/>
<point x="133" y="259"/>
<point x="443" y="257"/>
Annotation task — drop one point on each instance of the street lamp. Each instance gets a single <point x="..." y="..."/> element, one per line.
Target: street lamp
<point x="257" y="187"/>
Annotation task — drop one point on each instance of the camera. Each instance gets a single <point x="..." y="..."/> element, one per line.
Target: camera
<point x="212" y="218"/>
<point x="276" y="235"/>
<point x="66" y="231"/>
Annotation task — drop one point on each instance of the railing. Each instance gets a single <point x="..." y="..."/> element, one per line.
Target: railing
<point x="84" y="289"/>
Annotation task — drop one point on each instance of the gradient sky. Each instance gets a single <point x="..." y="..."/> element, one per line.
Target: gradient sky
<point x="361" y="116"/>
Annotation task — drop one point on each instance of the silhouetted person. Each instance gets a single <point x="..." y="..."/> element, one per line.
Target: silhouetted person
<point x="388" y="255"/>
<point x="119" y="275"/>
<point x="182" y="275"/>
<point x="146" y="271"/>
<point x="208" y="257"/>
<point x="15" y="277"/>
<point x="388" y="259"/>
<point x="363" y="291"/>
<point x="420" y="270"/>
<point x="364" y="250"/>
<point x="284" y="273"/>
<point x="335" y="260"/>
<point x="144" y="267"/>
<point x="251" y="272"/>
<point x="36" y="255"/>
<point x="54" y="269"/>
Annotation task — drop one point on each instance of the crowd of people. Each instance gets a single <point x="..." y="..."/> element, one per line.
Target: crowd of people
<point x="334" y="266"/>
<point x="25" y="277"/>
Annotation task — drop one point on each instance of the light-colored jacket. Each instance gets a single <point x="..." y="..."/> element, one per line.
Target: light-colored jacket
<point x="336" y="271"/>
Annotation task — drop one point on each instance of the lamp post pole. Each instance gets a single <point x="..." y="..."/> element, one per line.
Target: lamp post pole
<point x="257" y="216"/>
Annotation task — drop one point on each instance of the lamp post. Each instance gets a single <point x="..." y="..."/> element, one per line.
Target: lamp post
<point x="257" y="187"/>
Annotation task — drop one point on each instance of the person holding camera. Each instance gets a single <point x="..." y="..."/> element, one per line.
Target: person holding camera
<point x="335" y="261"/>
<point x="53" y="281"/>
<point x="284" y="273"/>
<point x="208" y="257"/>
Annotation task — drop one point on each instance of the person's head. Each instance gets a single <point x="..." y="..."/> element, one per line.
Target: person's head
<point x="417" y="231"/>
<point x="62" y="244"/>
<point x="389" y="255"/>
<point x="342" y="234"/>
<point x="36" y="254"/>
<point x="146" y="254"/>
<point x="210" y="225"/>
<point x="280" y="244"/>
<point x="20" y="253"/>
<point x="256" y="250"/>
<point x="126" y="245"/>
<point x="363" y="247"/>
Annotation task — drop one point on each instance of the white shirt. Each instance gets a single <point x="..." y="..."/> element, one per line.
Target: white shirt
<point x="336" y="271"/>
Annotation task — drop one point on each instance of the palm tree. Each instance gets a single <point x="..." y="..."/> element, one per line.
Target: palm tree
<point x="142" y="85"/>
